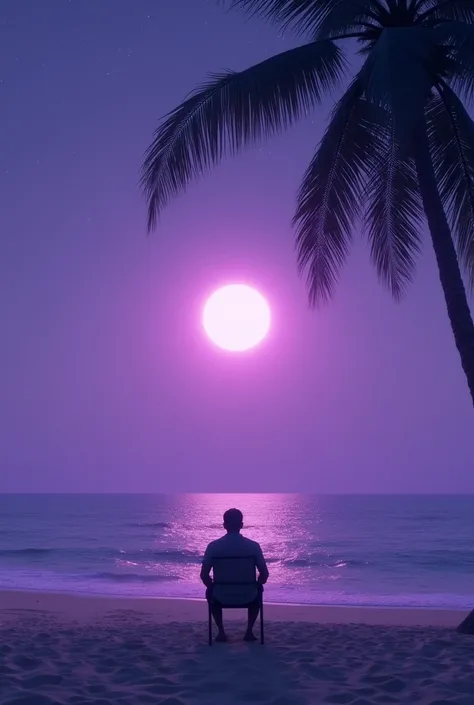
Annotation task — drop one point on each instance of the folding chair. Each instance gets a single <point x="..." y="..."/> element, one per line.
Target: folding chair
<point x="226" y="570"/>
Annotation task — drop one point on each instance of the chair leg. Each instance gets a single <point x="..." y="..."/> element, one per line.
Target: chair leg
<point x="210" y="623"/>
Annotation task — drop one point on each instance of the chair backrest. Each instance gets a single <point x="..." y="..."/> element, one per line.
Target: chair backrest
<point x="234" y="570"/>
<point x="235" y="580"/>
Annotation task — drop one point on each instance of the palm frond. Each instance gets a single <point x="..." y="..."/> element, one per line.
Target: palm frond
<point x="438" y="10"/>
<point x="457" y="38"/>
<point x="303" y="16"/>
<point x="345" y="16"/>
<point x="399" y="79"/>
<point x="232" y="109"/>
<point x="469" y="266"/>
<point x="330" y="197"/>
<point x="393" y="216"/>
<point x="451" y="134"/>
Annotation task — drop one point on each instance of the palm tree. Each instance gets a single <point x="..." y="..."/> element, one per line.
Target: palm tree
<point x="399" y="145"/>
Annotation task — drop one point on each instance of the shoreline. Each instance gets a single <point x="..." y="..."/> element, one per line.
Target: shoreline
<point x="77" y="607"/>
<point x="279" y="601"/>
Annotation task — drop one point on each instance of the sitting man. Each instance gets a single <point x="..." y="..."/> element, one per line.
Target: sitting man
<point x="234" y="578"/>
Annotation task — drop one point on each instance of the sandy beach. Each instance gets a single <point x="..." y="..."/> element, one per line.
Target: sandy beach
<point x="66" y="649"/>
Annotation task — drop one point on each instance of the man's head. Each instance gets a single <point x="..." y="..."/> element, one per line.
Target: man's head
<point x="233" y="521"/>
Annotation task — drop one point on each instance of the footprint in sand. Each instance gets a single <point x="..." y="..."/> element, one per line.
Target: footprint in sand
<point x="42" y="679"/>
<point x="393" y="685"/>
<point x="374" y="680"/>
<point x="339" y="698"/>
<point x="365" y="692"/>
<point x="32" y="699"/>
<point x="26" y="662"/>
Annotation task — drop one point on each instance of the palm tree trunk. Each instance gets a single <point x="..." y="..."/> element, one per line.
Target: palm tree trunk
<point x="446" y="257"/>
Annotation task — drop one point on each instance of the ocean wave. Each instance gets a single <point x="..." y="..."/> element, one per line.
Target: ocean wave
<point x="149" y="524"/>
<point x="168" y="556"/>
<point x="321" y="562"/>
<point x="25" y="551"/>
<point x="437" y="559"/>
<point x="136" y="555"/>
<point x="428" y="518"/>
<point x="132" y="577"/>
<point x="424" y="561"/>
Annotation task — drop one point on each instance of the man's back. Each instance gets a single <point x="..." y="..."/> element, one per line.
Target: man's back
<point x="234" y="545"/>
<point x="238" y="571"/>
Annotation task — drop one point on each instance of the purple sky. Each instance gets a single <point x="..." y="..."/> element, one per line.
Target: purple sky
<point x="107" y="382"/>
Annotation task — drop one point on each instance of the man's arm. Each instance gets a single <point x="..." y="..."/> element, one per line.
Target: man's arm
<point x="206" y="568"/>
<point x="261" y="567"/>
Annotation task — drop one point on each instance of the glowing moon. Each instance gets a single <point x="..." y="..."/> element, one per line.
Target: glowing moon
<point x="236" y="317"/>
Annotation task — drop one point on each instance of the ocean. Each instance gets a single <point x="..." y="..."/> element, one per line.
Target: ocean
<point x="400" y="551"/>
